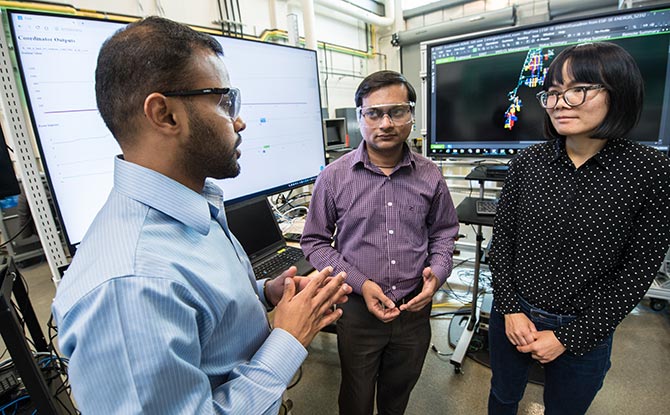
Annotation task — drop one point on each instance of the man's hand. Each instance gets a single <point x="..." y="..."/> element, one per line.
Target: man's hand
<point x="545" y="348"/>
<point x="274" y="289"/>
<point x="378" y="304"/>
<point x="430" y="285"/>
<point x="519" y="329"/>
<point x="304" y="314"/>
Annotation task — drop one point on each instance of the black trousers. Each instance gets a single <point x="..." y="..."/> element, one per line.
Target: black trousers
<point x="388" y="356"/>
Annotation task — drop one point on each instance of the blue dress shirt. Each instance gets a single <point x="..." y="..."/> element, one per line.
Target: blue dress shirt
<point x="159" y="311"/>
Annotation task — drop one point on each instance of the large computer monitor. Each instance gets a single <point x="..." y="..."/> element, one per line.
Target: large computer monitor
<point x="282" y="146"/>
<point x="481" y="89"/>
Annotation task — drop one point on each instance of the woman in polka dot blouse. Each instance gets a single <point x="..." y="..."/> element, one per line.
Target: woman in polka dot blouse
<point x="583" y="224"/>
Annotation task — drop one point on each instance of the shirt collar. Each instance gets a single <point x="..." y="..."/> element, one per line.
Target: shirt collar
<point x="604" y="157"/>
<point x="361" y="157"/>
<point x="167" y="195"/>
<point x="610" y="152"/>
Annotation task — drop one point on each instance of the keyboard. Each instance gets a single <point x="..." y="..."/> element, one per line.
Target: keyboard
<point x="486" y="207"/>
<point x="278" y="263"/>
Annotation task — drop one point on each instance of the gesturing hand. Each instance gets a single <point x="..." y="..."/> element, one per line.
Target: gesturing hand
<point x="378" y="304"/>
<point x="430" y="286"/>
<point x="304" y="314"/>
<point x="274" y="288"/>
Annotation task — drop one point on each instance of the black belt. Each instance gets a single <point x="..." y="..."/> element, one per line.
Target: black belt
<point x="411" y="295"/>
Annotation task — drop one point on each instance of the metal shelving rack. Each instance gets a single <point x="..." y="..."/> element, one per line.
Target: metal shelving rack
<point x="15" y="126"/>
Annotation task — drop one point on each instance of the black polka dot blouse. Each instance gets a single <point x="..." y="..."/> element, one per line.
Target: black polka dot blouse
<point x="584" y="241"/>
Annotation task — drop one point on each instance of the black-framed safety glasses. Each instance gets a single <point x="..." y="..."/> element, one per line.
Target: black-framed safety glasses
<point x="229" y="102"/>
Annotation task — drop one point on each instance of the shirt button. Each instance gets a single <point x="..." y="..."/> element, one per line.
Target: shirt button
<point x="393" y="262"/>
<point x="391" y="231"/>
<point x="390" y="203"/>
<point x="393" y="288"/>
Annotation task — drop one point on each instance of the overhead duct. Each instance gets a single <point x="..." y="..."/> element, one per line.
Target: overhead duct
<point x="470" y="24"/>
<point x="432" y="7"/>
<point x="561" y="8"/>
<point x="356" y="12"/>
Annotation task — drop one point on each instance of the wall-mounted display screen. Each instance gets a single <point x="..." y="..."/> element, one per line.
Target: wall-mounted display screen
<point x="481" y="89"/>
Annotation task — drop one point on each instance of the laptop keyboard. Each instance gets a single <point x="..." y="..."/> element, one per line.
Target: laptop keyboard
<point x="278" y="263"/>
<point x="486" y="207"/>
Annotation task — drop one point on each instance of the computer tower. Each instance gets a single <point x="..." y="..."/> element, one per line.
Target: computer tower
<point x="353" y="130"/>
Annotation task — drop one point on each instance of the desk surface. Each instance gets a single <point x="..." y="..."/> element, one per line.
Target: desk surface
<point x="467" y="213"/>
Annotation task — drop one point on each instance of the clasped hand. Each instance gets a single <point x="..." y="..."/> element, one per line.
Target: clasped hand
<point x="385" y="309"/>
<point x="304" y="305"/>
<point x="542" y="345"/>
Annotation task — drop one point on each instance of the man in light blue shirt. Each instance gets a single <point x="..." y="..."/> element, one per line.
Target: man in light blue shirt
<point x="159" y="311"/>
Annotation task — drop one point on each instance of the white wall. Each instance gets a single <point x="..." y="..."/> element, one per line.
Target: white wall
<point x="341" y="70"/>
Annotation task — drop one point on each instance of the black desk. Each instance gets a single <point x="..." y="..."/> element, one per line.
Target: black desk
<point x="467" y="214"/>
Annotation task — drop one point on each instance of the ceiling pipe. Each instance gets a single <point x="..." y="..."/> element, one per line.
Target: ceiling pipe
<point x="272" y="9"/>
<point x="363" y="15"/>
<point x="308" y="19"/>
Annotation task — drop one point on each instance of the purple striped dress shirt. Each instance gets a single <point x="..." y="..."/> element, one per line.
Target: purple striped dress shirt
<point x="382" y="228"/>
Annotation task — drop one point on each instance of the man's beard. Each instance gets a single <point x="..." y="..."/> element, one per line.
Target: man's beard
<point x="208" y="154"/>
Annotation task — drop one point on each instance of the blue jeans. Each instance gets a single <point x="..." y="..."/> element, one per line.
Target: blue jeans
<point x="570" y="381"/>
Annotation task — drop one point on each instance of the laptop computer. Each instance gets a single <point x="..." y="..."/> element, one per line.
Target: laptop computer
<point x="253" y="223"/>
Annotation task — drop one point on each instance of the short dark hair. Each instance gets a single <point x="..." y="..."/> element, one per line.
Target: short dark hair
<point x="379" y="80"/>
<point x="149" y="55"/>
<point x="612" y="66"/>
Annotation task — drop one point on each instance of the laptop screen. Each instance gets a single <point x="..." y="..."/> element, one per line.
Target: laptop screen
<point x="254" y="225"/>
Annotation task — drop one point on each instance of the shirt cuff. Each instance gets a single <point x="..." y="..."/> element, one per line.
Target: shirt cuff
<point x="563" y="338"/>
<point x="283" y="353"/>
<point x="512" y="307"/>
<point x="441" y="273"/>
<point x="260" y="292"/>
<point x="355" y="279"/>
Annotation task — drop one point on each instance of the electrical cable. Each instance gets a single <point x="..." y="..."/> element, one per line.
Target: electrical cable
<point x="14" y="402"/>
<point x="439" y="353"/>
<point x="462" y="262"/>
<point x="239" y="16"/>
<point x="52" y="366"/>
<point x="295" y="209"/>
<point x="223" y="28"/>
<point x="18" y="233"/>
<point x="459" y="312"/>
<point x="225" y="25"/>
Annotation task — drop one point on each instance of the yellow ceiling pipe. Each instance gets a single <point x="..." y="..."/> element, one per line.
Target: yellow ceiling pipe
<point x="269" y="35"/>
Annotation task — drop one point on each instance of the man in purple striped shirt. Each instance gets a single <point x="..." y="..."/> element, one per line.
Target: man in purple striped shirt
<point x="383" y="215"/>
